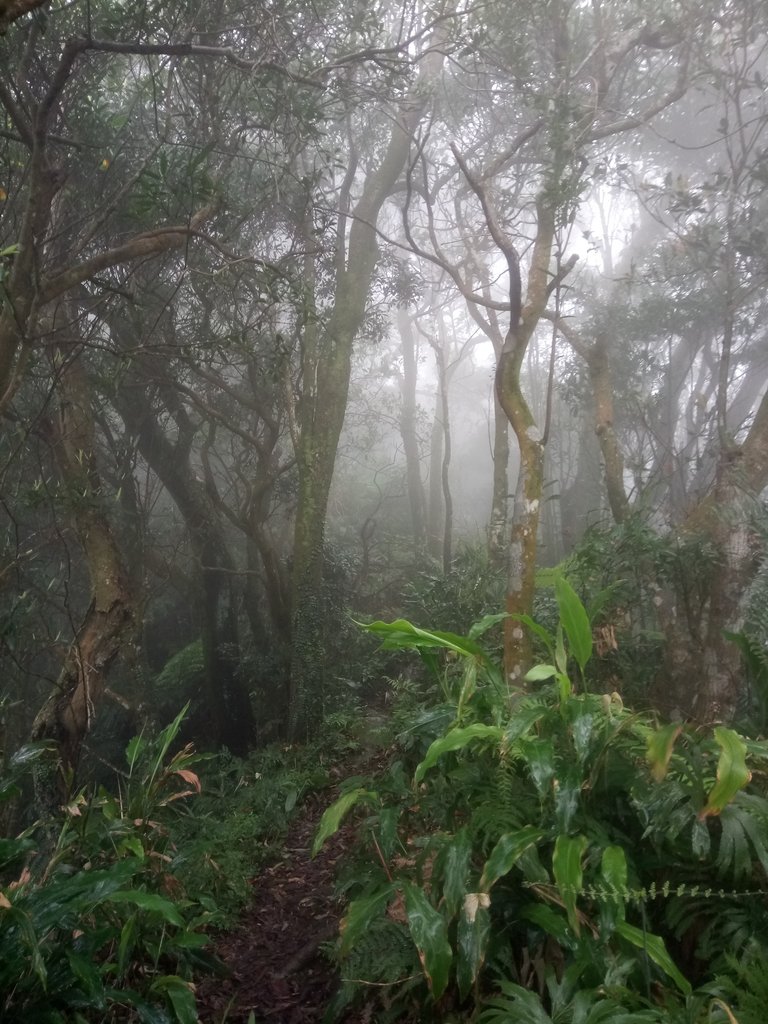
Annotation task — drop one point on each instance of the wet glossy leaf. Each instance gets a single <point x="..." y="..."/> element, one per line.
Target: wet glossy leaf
<point x="575" y="621"/>
<point x="457" y="857"/>
<point x="430" y="935"/>
<point x="360" y="914"/>
<point x="180" y="995"/>
<point x="732" y="771"/>
<point x="472" y="935"/>
<point x="613" y="868"/>
<point x="335" y="814"/>
<point x="660" y="746"/>
<point x="456" y="739"/>
<point x="539" y="756"/>
<point x="506" y="853"/>
<point x="566" y="867"/>
<point x="654" y="946"/>
<point x="148" y="901"/>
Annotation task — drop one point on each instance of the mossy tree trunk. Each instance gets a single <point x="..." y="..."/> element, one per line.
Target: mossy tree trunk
<point x="227" y="697"/>
<point x="597" y="359"/>
<point x="325" y="364"/>
<point x="523" y="540"/>
<point x="408" y="432"/>
<point x="109" y="622"/>
<point x="703" y="676"/>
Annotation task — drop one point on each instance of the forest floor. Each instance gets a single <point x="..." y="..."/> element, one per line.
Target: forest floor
<point x="276" y="968"/>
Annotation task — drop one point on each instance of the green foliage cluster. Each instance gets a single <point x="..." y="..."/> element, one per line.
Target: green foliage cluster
<point x="628" y="568"/>
<point x="103" y="920"/>
<point x="553" y="855"/>
<point x="243" y="813"/>
<point x="97" y="926"/>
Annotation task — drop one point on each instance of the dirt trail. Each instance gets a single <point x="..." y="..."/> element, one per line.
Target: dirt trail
<point x="278" y="972"/>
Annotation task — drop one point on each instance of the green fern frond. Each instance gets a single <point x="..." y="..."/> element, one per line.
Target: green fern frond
<point x="182" y="670"/>
<point x="383" y="955"/>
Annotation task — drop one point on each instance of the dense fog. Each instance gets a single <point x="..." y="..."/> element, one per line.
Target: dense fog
<point x="307" y="307"/>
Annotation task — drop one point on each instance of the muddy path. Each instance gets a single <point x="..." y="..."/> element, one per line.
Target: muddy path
<point x="276" y="968"/>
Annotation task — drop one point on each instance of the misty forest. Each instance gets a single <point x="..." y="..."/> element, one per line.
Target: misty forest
<point x="383" y="473"/>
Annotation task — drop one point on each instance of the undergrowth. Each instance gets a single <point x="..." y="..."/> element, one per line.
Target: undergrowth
<point x="550" y="854"/>
<point x="110" y="921"/>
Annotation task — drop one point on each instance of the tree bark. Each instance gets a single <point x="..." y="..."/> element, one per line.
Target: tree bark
<point x="227" y="698"/>
<point x="325" y="373"/>
<point x="408" y="433"/>
<point x="109" y="623"/>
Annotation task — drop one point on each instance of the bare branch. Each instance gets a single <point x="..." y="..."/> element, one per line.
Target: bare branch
<point x="150" y="243"/>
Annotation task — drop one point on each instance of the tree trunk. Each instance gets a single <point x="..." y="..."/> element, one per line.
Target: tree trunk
<point x="435" y="493"/>
<point x="497" y="527"/>
<point x="227" y="697"/>
<point x="613" y="461"/>
<point x="521" y="566"/>
<point x="703" y="676"/>
<point x="408" y="433"/>
<point x="325" y="373"/>
<point x="68" y="714"/>
<point x="440" y="348"/>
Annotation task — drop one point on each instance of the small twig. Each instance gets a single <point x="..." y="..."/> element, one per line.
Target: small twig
<point x="381" y="858"/>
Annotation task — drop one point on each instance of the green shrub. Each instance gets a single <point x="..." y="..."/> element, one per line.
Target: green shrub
<point x="554" y="836"/>
<point x="100" y="929"/>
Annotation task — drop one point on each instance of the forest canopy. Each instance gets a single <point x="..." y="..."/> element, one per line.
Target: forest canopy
<point x="383" y="458"/>
<point x="305" y="305"/>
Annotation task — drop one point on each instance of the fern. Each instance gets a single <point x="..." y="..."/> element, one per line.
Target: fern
<point x="182" y="669"/>
<point x="746" y="983"/>
<point x="498" y="803"/>
<point x="385" y="954"/>
<point x="380" y="970"/>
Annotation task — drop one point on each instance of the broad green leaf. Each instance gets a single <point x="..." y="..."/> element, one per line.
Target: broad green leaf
<point x="564" y="687"/>
<point x="134" y="749"/>
<point x="548" y="919"/>
<point x="21" y="921"/>
<point x="575" y="622"/>
<point x="359" y="915"/>
<point x="566" y="867"/>
<point x="468" y="686"/>
<point x="567" y="796"/>
<point x="456" y="739"/>
<point x="86" y="973"/>
<point x="132" y="844"/>
<point x="613" y="868"/>
<point x="518" y="1005"/>
<point x="148" y="901"/>
<point x="335" y="814"/>
<point x="654" y="946"/>
<point x="582" y="729"/>
<point x="539" y="673"/>
<point x="457" y="857"/>
<point x="403" y="634"/>
<point x="701" y="840"/>
<point x="487" y="622"/>
<point x="521" y="721"/>
<point x="539" y="757"/>
<point x="180" y="995"/>
<point x="660" y="746"/>
<point x="561" y="658"/>
<point x="506" y="853"/>
<point x="128" y="935"/>
<point x="430" y="935"/>
<point x="472" y="935"/>
<point x="544" y="635"/>
<point x="732" y="771"/>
